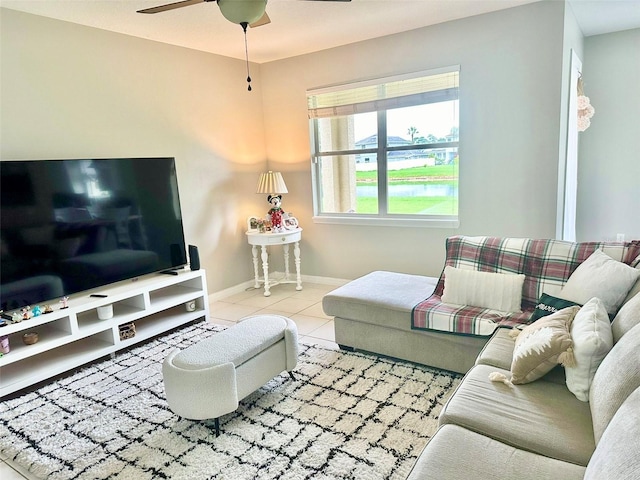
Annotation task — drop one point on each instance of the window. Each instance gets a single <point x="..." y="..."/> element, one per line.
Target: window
<point x="385" y="151"/>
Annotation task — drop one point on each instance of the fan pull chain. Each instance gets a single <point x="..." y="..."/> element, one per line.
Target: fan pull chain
<point x="246" y="53"/>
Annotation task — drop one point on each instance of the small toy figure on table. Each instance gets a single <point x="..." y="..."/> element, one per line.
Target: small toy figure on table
<point x="275" y="212"/>
<point x="64" y="302"/>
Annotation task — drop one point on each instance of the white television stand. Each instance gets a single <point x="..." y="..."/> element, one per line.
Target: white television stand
<point x="73" y="336"/>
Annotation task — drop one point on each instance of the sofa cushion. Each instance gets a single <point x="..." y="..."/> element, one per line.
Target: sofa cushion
<point x="603" y="277"/>
<point x="497" y="291"/>
<point x="380" y="297"/>
<point x="498" y="352"/>
<point x="542" y="417"/>
<point x="627" y="318"/>
<point x="455" y="453"/>
<point x="632" y="258"/>
<point x="617" y="455"/>
<point x="592" y="340"/>
<point x="634" y="290"/>
<point x="548" y="304"/>
<point x="541" y="345"/>
<point x="617" y="376"/>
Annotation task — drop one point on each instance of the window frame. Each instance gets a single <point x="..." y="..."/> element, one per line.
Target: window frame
<point x="383" y="217"/>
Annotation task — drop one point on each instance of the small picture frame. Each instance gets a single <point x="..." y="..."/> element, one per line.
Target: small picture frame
<point x="253" y="224"/>
<point x="257" y="225"/>
<point x="290" y="222"/>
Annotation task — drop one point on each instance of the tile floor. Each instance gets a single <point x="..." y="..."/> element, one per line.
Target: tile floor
<point x="303" y="307"/>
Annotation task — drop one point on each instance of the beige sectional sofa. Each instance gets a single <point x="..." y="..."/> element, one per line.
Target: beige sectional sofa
<point x="491" y="427"/>
<point x="540" y="430"/>
<point x="403" y="315"/>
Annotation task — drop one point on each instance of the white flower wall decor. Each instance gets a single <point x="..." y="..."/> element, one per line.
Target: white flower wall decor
<point x="585" y="109"/>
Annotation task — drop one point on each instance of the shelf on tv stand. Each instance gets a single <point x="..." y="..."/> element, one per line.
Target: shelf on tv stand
<point x="74" y="336"/>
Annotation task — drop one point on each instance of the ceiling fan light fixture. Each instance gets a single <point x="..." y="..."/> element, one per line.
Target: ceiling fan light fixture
<point x="242" y="11"/>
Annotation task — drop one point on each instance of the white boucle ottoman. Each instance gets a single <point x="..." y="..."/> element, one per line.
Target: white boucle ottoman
<point x="208" y="379"/>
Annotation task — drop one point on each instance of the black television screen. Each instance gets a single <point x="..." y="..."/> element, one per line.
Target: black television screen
<point x="73" y="225"/>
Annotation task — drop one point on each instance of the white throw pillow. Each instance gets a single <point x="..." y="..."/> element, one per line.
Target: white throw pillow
<point x="592" y="340"/>
<point x="497" y="291"/>
<point x="603" y="277"/>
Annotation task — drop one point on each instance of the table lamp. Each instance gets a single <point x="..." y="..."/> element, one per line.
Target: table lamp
<point x="273" y="185"/>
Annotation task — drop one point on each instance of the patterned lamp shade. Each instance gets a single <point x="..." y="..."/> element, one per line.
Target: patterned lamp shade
<point x="271" y="183"/>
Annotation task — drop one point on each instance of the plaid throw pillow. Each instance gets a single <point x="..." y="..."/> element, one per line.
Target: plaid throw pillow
<point x="547" y="305"/>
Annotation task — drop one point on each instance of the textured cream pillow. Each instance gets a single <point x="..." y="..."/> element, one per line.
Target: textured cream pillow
<point x="592" y="340"/>
<point x="497" y="291"/>
<point x="541" y="345"/>
<point x="603" y="277"/>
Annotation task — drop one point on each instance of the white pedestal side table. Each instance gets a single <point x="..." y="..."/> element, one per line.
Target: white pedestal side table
<point x="263" y="240"/>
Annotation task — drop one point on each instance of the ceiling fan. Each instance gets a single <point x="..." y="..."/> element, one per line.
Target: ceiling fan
<point x="243" y="12"/>
<point x="249" y="12"/>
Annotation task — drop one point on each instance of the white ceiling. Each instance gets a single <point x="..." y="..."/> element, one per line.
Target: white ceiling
<point x="301" y="26"/>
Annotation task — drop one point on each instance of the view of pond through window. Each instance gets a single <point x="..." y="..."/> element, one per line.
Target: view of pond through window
<point x="410" y="145"/>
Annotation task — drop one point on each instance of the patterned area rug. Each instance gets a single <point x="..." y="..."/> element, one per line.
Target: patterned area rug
<point x="347" y="415"/>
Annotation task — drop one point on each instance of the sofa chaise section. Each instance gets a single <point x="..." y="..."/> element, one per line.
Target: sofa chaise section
<point x="373" y="313"/>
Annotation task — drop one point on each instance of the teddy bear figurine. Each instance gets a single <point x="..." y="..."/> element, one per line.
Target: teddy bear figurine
<point x="275" y="212"/>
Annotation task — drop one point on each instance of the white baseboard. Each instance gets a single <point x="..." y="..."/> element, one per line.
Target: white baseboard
<point x="227" y="292"/>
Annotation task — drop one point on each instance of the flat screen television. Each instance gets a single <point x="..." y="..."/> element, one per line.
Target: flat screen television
<point x="74" y="225"/>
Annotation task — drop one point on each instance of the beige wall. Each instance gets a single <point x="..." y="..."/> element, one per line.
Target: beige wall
<point x="511" y="66"/>
<point x="609" y="162"/>
<point x="69" y="91"/>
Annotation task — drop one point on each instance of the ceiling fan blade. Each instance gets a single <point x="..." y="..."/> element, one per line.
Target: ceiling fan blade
<point x="263" y="20"/>
<point x="171" y="6"/>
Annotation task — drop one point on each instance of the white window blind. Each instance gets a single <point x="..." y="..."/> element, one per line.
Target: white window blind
<point x="379" y="94"/>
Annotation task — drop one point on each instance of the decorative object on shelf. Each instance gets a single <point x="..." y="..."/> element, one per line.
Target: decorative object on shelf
<point x="289" y="221"/>
<point x="105" y="312"/>
<point x="48" y="309"/>
<point x="273" y="185"/>
<point x="65" y="302"/>
<point x="275" y="212"/>
<point x="4" y="344"/>
<point x="255" y="224"/>
<point x="37" y="311"/>
<point x="26" y="313"/>
<point x="190" y="306"/>
<point x="585" y="109"/>
<point x="30" y="338"/>
<point x="16" y="317"/>
<point x="127" y="330"/>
